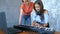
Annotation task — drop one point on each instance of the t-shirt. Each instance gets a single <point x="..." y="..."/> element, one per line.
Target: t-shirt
<point x="27" y="9"/>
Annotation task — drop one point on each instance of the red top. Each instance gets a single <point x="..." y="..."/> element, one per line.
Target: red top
<point x="27" y="9"/>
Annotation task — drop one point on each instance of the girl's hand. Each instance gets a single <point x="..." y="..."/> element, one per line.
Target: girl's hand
<point x="35" y="24"/>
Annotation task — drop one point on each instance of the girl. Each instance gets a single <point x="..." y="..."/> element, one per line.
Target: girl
<point x="40" y="18"/>
<point x="26" y="9"/>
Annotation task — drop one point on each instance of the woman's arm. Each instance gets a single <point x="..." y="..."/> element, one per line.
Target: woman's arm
<point x="20" y="18"/>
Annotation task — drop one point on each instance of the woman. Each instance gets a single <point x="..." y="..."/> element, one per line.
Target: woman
<point x="26" y="9"/>
<point x="40" y="18"/>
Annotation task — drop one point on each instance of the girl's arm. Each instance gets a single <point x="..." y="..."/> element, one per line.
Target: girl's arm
<point x="33" y="14"/>
<point x="45" y="18"/>
<point x="35" y="18"/>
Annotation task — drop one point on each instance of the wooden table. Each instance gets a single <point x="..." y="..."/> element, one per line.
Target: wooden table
<point x="56" y="32"/>
<point x="2" y="32"/>
<point x="27" y="32"/>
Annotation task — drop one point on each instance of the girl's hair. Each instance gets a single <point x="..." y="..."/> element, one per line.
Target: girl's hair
<point x="41" y="6"/>
<point x="41" y="9"/>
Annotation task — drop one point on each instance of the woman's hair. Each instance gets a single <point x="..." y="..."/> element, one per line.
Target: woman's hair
<point x="22" y="1"/>
<point x="28" y="1"/>
<point x="41" y="6"/>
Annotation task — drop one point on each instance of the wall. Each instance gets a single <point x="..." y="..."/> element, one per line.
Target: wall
<point x="12" y="12"/>
<point x="3" y="24"/>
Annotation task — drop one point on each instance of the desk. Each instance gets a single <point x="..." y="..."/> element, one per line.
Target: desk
<point x="27" y="32"/>
<point x="2" y="32"/>
<point x="35" y="33"/>
<point x="56" y="32"/>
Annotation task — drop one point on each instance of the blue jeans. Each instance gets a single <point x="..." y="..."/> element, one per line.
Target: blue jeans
<point x="26" y="20"/>
<point x="42" y="31"/>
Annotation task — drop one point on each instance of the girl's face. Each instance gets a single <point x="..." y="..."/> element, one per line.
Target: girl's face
<point x="37" y="7"/>
<point x="25" y="0"/>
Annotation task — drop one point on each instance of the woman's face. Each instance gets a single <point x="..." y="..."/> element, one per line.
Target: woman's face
<point x="37" y="7"/>
<point x="25" y="0"/>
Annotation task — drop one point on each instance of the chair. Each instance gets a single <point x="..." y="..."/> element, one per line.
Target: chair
<point x="3" y="24"/>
